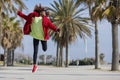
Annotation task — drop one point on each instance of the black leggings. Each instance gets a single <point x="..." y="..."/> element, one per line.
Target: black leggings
<point x="36" y="45"/>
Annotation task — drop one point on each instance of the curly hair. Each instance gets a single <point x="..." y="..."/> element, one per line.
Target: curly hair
<point x="38" y="8"/>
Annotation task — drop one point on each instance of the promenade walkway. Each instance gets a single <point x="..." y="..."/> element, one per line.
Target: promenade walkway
<point x="53" y="73"/>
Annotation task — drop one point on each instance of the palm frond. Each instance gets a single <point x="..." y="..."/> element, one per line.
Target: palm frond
<point x="66" y="15"/>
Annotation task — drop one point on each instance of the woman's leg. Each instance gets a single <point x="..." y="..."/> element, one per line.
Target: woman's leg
<point x="44" y="45"/>
<point x="44" y="48"/>
<point x="35" y="45"/>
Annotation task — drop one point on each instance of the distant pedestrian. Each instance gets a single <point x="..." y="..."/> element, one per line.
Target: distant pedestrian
<point x="77" y="62"/>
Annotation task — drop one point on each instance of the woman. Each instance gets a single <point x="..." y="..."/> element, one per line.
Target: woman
<point x="37" y="25"/>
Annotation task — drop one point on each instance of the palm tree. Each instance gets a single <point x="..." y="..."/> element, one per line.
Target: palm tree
<point x="10" y="6"/>
<point x="112" y="14"/>
<point x="95" y="11"/>
<point x="97" y="15"/>
<point x="114" y="18"/>
<point x="15" y="42"/>
<point x="66" y="15"/>
<point x="10" y="38"/>
<point x="5" y="34"/>
<point x="7" y="6"/>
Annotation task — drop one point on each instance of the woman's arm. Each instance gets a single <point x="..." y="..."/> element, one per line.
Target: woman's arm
<point x="22" y="15"/>
<point x="50" y="24"/>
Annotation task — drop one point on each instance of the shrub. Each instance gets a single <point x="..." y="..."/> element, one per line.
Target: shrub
<point x="88" y="61"/>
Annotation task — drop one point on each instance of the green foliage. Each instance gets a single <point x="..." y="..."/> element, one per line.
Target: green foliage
<point x="11" y="5"/>
<point x="25" y="61"/>
<point x="50" y="63"/>
<point x="67" y="15"/>
<point x="88" y="61"/>
<point x="10" y="32"/>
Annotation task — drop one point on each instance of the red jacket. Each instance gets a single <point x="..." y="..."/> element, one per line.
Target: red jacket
<point x="46" y="23"/>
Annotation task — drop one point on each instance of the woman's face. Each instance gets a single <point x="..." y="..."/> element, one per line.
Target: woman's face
<point x="43" y="13"/>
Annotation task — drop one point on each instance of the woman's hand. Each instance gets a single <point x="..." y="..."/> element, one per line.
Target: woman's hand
<point x="58" y="30"/>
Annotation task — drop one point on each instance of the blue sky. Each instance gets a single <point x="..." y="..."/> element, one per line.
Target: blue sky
<point x="77" y="49"/>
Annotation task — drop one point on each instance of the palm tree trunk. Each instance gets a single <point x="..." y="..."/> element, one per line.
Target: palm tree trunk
<point x="5" y="57"/>
<point x="61" y="56"/>
<point x="13" y="57"/>
<point x="115" y="48"/>
<point x="57" y="55"/>
<point x="96" y="47"/>
<point x="9" y="58"/>
<point x="67" y="64"/>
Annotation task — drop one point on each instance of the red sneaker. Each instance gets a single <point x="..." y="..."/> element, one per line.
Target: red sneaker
<point x="34" y="69"/>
